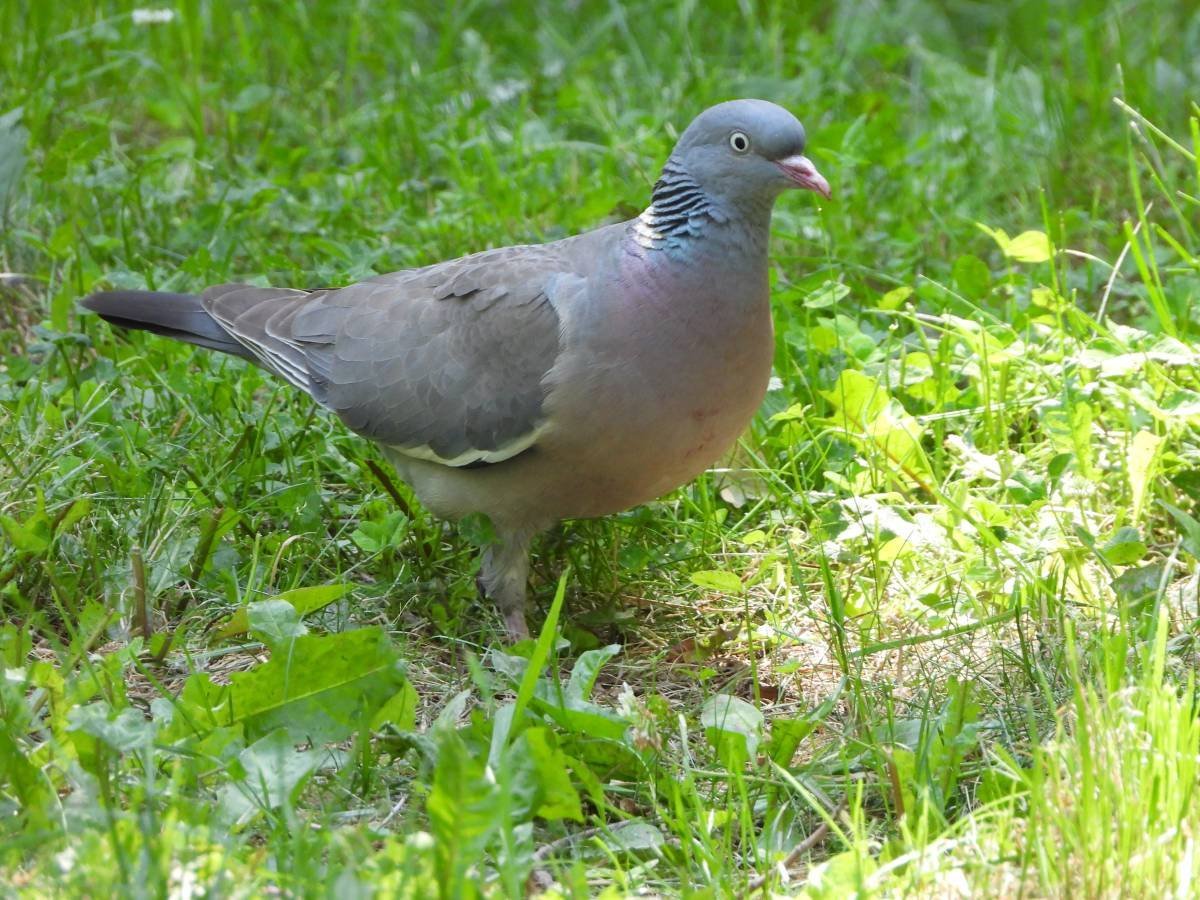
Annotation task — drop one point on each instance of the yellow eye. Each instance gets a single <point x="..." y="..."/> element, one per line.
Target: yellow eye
<point x="739" y="142"/>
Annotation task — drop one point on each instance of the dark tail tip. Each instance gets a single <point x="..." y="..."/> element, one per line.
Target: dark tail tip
<point x="179" y="316"/>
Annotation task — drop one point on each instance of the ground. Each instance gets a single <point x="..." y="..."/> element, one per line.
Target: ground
<point x="930" y="630"/>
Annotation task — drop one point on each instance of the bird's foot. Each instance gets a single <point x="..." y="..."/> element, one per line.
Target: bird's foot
<point x="514" y="617"/>
<point x="516" y="626"/>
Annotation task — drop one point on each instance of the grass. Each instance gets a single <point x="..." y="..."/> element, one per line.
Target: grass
<point x="932" y="629"/>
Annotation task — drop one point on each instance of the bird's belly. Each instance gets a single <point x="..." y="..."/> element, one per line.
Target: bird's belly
<point x="640" y="467"/>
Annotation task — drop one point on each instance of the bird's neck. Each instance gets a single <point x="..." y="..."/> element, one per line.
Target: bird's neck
<point x="683" y="218"/>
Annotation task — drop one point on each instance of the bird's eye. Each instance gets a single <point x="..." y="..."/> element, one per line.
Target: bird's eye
<point x="739" y="142"/>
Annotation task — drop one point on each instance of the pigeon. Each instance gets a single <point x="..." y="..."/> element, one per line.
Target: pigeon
<point x="536" y="383"/>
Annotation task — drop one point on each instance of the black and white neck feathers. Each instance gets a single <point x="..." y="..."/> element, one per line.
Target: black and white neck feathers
<point x="679" y="209"/>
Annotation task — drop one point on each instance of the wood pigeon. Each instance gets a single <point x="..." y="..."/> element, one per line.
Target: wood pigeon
<point x="542" y="382"/>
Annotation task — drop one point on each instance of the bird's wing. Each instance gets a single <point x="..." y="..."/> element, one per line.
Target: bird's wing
<point x="444" y="363"/>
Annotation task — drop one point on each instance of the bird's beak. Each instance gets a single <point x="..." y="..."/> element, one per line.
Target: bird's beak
<point x="802" y="173"/>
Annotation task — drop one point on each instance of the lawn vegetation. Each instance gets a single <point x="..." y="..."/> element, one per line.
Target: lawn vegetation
<point x="930" y="631"/>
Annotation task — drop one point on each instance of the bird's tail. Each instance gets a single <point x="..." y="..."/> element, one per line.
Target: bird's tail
<point x="179" y="316"/>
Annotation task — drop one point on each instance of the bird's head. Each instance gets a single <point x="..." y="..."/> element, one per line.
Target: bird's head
<point x="747" y="150"/>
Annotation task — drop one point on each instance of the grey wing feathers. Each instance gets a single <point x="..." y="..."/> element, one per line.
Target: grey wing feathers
<point x="260" y="319"/>
<point x="444" y="363"/>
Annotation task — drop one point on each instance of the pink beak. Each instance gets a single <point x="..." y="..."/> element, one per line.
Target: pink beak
<point x="800" y="170"/>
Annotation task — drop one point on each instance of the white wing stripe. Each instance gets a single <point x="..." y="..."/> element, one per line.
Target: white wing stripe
<point x="501" y="453"/>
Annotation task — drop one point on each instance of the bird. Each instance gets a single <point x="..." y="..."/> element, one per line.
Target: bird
<point x="536" y="383"/>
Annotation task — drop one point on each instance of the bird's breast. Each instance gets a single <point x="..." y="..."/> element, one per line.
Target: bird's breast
<point x="666" y="373"/>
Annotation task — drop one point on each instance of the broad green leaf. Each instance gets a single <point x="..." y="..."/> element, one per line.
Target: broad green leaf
<point x="959" y="736"/>
<point x="310" y="599"/>
<point x="1026" y="487"/>
<point x="579" y="716"/>
<point x="1124" y="548"/>
<point x="372" y="537"/>
<point x="1048" y="298"/>
<point x="1070" y="430"/>
<point x="502" y="720"/>
<point x="988" y="347"/>
<point x="845" y="327"/>
<point x="861" y="347"/>
<point x="400" y="711"/>
<point x="634" y="834"/>
<point x="31" y="536"/>
<point x="60" y="692"/>
<point x="1182" y="403"/>
<point x="201" y="707"/>
<point x="326" y="686"/>
<point x="1001" y="780"/>
<point x="904" y="765"/>
<point x="786" y="735"/>
<point x="249" y="97"/>
<point x="1134" y="585"/>
<point x="822" y="338"/>
<point x="917" y="366"/>
<point x="304" y="600"/>
<point x="733" y="727"/>
<point x="465" y="808"/>
<point x="717" y="580"/>
<point x="895" y="298"/>
<point x="898" y="435"/>
<point x="585" y="670"/>
<point x="933" y="391"/>
<point x="829" y="294"/>
<point x="510" y="665"/>
<point x="1029" y="247"/>
<point x="1140" y="467"/>
<point x="78" y="509"/>
<point x="874" y="419"/>
<point x="555" y="796"/>
<point x="33" y="790"/>
<point x="1058" y="465"/>
<point x="169" y="559"/>
<point x="999" y="235"/>
<point x="127" y="730"/>
<point x="13" y="140"/>
<point x="793" y="412"/>
<point x="840" y="876"/>
<point x="972" y="277"/>
<point x="477" y="530"/>
<point x="858" y="397"/>
<point x="275" y="622"/>
<point x="448" y="716"/>
<point x="1190" y="527"/>
<point x="274" y="774"/>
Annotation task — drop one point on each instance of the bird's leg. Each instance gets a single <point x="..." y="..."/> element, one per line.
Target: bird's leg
<point x="504" y="576"/>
